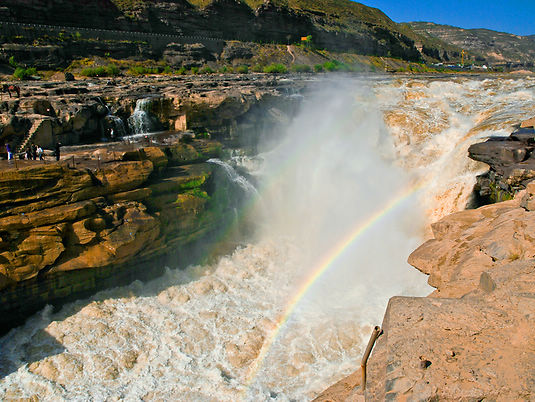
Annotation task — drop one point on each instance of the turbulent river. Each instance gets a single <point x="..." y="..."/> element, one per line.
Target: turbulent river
<point x="340" y="203"/>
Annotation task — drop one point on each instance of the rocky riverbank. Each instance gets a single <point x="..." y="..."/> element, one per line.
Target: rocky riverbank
<point x="120" y="210"/>
<point x="67" y="231"/>
<point x="472" y="338"/>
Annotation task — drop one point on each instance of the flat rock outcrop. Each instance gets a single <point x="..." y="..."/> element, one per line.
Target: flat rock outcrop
<point x="473" y="337"/>
<point x="69" y="230"/>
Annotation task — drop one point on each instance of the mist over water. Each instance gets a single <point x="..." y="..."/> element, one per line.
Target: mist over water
<point x="193" y="334"/>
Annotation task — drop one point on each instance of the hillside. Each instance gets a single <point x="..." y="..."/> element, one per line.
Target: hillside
<point x="494" y="47"/>
<point x="336" y="25"/>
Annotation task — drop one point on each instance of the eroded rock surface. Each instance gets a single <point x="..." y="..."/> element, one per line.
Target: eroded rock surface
<point x="229" y="108"/>
<point x="66" y="230"/>
<point x="473" y="339"/>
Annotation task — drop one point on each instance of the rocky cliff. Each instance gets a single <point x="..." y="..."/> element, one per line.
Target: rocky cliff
<point x="472" y="338"/>
<point x="233" y="109"/>
<point x="117" y="211"/>
<point x="342" y="25"/>
<point x="67" y="231"/>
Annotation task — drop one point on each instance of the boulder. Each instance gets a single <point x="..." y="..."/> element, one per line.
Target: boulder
<point x="498" y="153"/>
<point x="468" y="243"/>
<point x="62" y="213"/>
<point x="118" y="177"/>
<point x="135" y="231"/>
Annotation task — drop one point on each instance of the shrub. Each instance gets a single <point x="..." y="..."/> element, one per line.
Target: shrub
<point x="301" y="68"/>
<point x="101" y="71"/>
<point x="207" y="70"/>
<point x="257" y="68"/>
<point x="112" y="70"/>
<point x="12" y="62"/>
<point x="275" y="68"/>
<point x="318" y="68"/>
<point x="93" y="72"/>
<point x="24" y="73"/>
<point x="181" y="71"/>
<point x="329" y="66"/>
<point x="142" y="70"/>
<point x="335" y="65"/>
<point x="243" y="69"/>
<point x="194" y="70"/>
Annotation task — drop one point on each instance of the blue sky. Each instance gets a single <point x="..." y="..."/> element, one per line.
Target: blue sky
<point x="512" y="16"/>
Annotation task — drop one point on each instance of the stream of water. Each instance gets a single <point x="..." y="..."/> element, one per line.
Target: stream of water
<point x="341" y="202"/>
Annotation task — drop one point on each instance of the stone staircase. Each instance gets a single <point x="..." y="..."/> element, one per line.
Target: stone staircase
<point x="41" y="126"/>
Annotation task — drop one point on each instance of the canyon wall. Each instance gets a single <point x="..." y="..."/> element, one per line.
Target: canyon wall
<point x="106" y="215"/>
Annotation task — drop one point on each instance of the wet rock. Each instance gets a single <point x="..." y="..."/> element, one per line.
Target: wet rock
<point x="512" y="165"/>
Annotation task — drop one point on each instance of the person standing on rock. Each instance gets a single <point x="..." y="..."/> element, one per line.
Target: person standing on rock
<point x="58" y="146"/>
<point x="9" y="152"/>
<point x="34" y="151"/>
<point x="40" y="152"/>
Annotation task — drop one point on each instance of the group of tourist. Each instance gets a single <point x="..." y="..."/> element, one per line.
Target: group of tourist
<point x="32" y="152"/>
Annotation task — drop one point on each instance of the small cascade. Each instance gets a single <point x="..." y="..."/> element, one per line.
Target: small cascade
<point x="140" y="122"/>
<point x="234" y="177"/>
<point x="241" y="197"/>
<point x="117" y="125"/>
<point x="114" y="124"/>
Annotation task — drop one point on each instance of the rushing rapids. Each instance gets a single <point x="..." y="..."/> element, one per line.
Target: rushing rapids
<point x="341" y="202"/>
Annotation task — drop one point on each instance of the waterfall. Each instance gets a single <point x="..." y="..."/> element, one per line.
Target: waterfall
<point x="114" y="124"/>
<point x="117" y="125"/>
<point x="194" y="334"/>
<point x="234" y="177"/>
<point x="141" y="122"/>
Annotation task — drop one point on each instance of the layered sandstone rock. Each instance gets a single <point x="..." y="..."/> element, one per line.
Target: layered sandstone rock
<point x="473" y="338"/>
<point x="229" y="108"/>
<point x="67" y="231"/>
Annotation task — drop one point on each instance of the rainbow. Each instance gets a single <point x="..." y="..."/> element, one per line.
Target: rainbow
<point x="322" y="267"/>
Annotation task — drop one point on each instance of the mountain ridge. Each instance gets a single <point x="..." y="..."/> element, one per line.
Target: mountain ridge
<point x="482" y="44"/>
<point x="337" y="25"/>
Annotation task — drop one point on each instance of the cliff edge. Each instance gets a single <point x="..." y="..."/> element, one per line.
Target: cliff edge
<point x="473" y="337"/>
